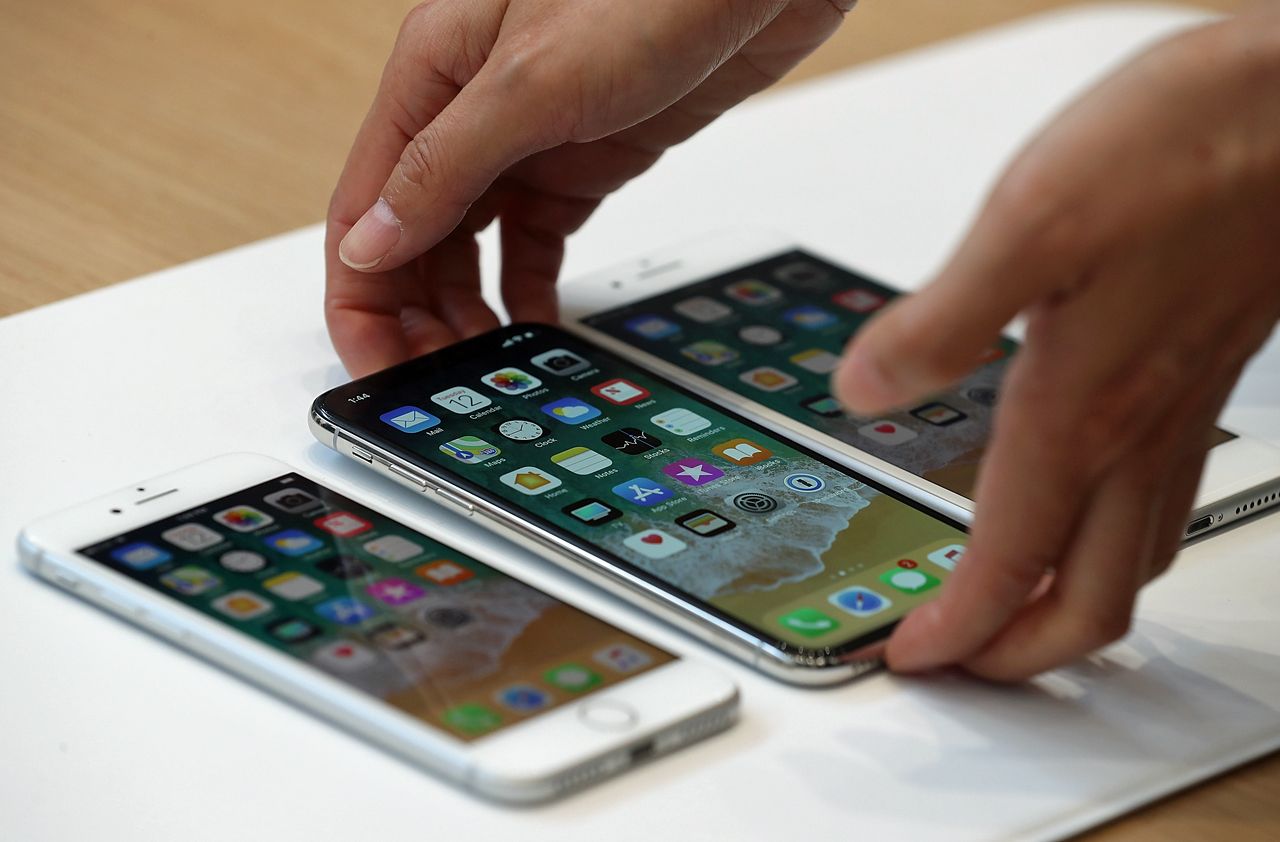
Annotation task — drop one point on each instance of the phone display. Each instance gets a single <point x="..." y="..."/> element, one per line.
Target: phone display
<point x="761" y="532"/>
<point x="379" y="606"/>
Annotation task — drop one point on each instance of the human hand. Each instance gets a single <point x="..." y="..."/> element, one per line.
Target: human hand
<point x="529" y="112"/>
<point x="1140" y="236"/>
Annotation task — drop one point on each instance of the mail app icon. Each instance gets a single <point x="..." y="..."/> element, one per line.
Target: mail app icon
<point x="409" y="419"/>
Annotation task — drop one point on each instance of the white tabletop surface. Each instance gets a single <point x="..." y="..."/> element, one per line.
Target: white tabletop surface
<point x="109" y="734"/>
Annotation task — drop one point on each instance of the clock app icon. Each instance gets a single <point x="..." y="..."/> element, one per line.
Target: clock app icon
<point x="519" y="429"/>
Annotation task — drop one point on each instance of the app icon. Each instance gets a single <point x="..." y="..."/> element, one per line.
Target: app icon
<point x="642" y="491"/>
<point x="344" y="656"/>
<point x="469" y="449"/>
<point x="242" y="561"/>
<point x="741" y="452"/>
<point x="291" y="500"/>
<point x="702" y="309"/>
<point x="693" y="471"/>
<point x="242" y="605"/>
<point x="766" y="378"/>
<point x="760" y="335"/>
<point x="824" y="405"/>
<point x="293" y="542"/>
<point x="448" y="618"/>
<point x="293" y="630"/>
<point x="560" y="362"/>
<point x="705" y="522"/>
<point x="619" y="391"/>
<point x="592" y="512"/>
<point x="344" y="567"/>
<point x="140" y="555"/>
<point x="682" y="422"/>
<point x="444" y="572"/>
<point x="581" y="460"/>
<point x="243" y="518"/>
<point x="909" y="581"/>
<point x="948" y="557"/>
<point x="519" y="429"/>
<point x="859" y="601"/>
<point x="392" y="548"/>
<point x="409" y="419"/>
<point x="858" y="300"/>
<point x="755" y="502"/>
<point x="511" y="381"/>
<point x="345" y="611"/>
<point x="752" y="292"/>
<point x="190" y="581"/>
<point x="522" y="698"/>
<point x="631" y="441"/>
<point x="995" y="352"/>
<point x="191" y="537"/>
<point x="709" y="352"/>
<point x="572" y="677"/>
<point x="293" y="586"/>
<point x="395" y="636"/>
<point x="809" y="317"/>
<point x="654" y="543"/>
<point x="530" y="480"/>
<point x="395" y="591"/>
<point x="816" y="360"/>
<point x="621" y="658"/>
<point x="460" y="399"/>
<point x="808" y="622"/>
<point x="472" y="718"/>
<point x="982" y="395"/>
<point x="803" y="274"/>
<point x="938" y="414"/>
<point x="570" y="410"/>
<point x="804" y="483"/>
<point x="343" y="524"/>
<point x="886" y="432"/>
<point x="652" y="327"/>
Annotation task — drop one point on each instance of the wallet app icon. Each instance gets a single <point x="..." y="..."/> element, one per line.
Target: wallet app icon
<point x="409" y="419"/>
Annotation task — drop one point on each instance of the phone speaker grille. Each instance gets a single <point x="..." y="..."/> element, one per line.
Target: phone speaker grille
<point x="1261" y="501"/>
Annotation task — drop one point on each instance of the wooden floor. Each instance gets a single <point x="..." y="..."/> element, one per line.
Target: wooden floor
<point x="135" y="134"/>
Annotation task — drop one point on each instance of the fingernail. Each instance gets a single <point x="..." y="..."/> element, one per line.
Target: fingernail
<point x="372" y="237"/>
<point x="864" y="387"/>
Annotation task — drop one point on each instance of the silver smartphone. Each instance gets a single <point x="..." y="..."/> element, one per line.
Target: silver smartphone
<point x="394" y="634"/>
<point x="756" y="544"/>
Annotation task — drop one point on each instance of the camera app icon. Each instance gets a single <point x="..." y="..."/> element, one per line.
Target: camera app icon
<point x="561" y="362"/>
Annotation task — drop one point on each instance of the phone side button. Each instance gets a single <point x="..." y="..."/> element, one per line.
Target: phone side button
<point x="407" y="477"/>
<point x="457" y="501"/>
<point x="608" y="715"/>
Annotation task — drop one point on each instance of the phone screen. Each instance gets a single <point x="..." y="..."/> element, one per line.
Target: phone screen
<point x="772" y="331"/>
<point x="380" y="607"/>
<point x="765" y="535"/>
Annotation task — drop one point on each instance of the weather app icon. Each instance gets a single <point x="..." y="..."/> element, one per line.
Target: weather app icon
<point x="570" y="410"/>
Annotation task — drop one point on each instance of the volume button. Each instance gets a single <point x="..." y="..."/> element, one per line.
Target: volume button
<point x="456" y="501"/>
<point x="408" y="477"/>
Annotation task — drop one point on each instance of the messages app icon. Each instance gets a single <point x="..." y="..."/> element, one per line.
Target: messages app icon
<point x="409" y="419"/>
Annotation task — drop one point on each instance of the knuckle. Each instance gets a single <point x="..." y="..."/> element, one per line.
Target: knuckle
<point x="420" y="162"/>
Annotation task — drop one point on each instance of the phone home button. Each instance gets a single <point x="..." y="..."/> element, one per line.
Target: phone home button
<point x="608" y="715"/>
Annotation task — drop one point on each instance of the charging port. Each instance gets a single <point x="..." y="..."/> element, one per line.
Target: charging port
<point x="642" y="752"/>
<point x="1199" y="525"/>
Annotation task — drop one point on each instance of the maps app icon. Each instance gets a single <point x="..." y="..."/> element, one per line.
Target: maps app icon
<point x="469" y="449"/>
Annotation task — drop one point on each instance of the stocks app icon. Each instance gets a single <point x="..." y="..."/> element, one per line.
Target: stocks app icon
<point x="631" y="440"/>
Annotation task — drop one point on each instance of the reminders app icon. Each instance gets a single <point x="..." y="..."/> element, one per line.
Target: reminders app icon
<point x="409" y="419"/>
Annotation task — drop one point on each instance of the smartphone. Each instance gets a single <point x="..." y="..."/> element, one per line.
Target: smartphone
<point x="395" y="635"/>
<point x="758" y="322"/>
<point x="760" y="546"/>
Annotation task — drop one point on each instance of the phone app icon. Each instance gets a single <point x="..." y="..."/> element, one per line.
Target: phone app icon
<point x="824" y="405"/>
<point x="581" y="460"/>
<point x="572" y="677"/>
<point x="344" y="656"/>
<point x="909" y="581"/>
<point x="243" y="518"/>
<point x="522" y="698"/>
<point x="519" y="429"/>
<point x="651" y="327"/>
<point x="531" y="480"/>
<point x="619" y="391"/>
<point x="293" y="630"/>
<point x="621" y="658"/>
<point x="709" y="352"/>
<point x="805" y="483"/>
<point x="592" y="512"/>
<point x="472" y="718"/>
<point x="803" y="274"/>
<point x="762" y="335"/>
<point x="190" y="581"/>
<point x="140" y="555"/>
<point x="766" y="378"/>
<point x="642" y="491"/>
<point x="459" y="399"/>
<point x="859" y="300"/>
<point x="755" y="502"/>
<point x="448" y="618"/>
<point x="741" y="452"/>
<point x="242" y="561"/>
<point x="809" y="317"/>
<point x="705" y="522"/>
<point x="816" y="360"/>
<point x="808" y="622"/>
<point x="938" y="414"/>
<point x="469" y="449"/>
<point x="753" y="292"/>
<point x="948" y="557"/>
<point x="631" y="441"/>
<point x="409" y="419"/>
<point x="343" y="524"/>
<point x="291" y="500"/>
<point x="654" y="543"/>
<point x="392" y="548"/>
<point x="395" y="591"/>
<point x="682" y="422"/>
<point x="394" y="636"/>
<point x="345" y="611"/>
<point x="293" y="542"/>
<point x="242" y="605"/>
<point x="293" y="586"/>
<point x="887" y="432"/>
<point x="693" y="471"/>
<point x="191" y="537"/>
<point x="344" y="567"/>
<point x="561" y="362"/>
<point x="702" y="309"/>
<point x="444" y="572"/>
<point x="511" y="381"/>
<point x="570" y="410"/>
<point x="859" y="601"/>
